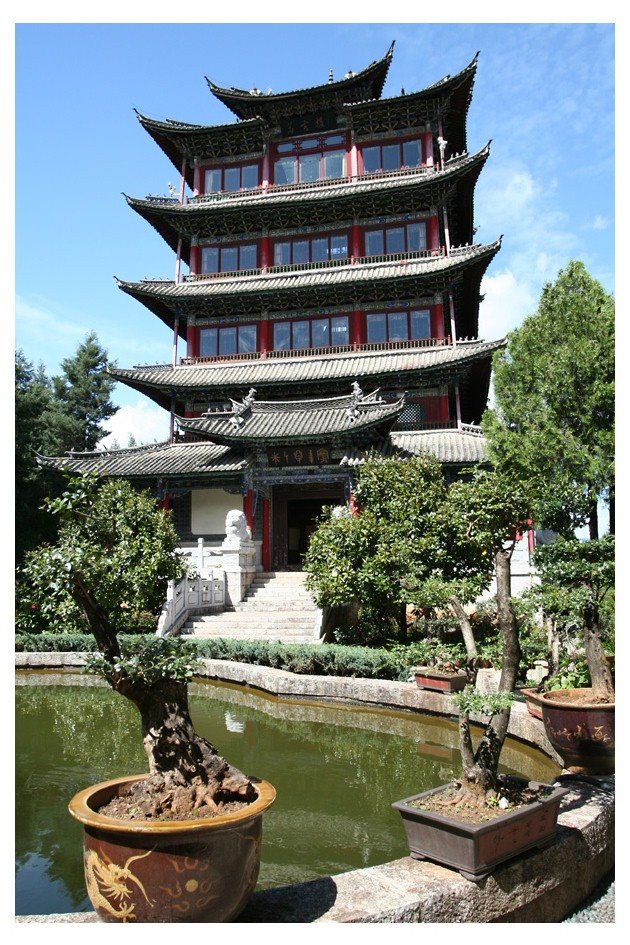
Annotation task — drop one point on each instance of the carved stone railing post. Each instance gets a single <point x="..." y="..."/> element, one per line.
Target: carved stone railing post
<point x="239" y="558"/>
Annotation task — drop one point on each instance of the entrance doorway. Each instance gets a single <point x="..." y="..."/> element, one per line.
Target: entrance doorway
<point x="295" y="520"/>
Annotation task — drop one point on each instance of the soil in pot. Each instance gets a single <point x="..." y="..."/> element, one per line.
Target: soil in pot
<point x="167" y="799"/>
<point x="516" y="794"/>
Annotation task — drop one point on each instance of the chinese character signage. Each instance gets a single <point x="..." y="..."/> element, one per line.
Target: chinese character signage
<point x="279" y="456"/>
<point x="306" y="124"/>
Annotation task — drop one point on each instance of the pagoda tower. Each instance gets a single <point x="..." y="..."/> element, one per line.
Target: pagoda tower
<point x="326" y="289"/>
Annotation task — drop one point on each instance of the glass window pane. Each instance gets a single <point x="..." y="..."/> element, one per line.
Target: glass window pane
<point x="376" y="330"/>
<point x="282" y="336"/>
<point x="284" y="171"/>
<point x="248" y="258"/>
<point x="416" y="237"/>
<point x="250" y="176"/>
<point x="395" y="239"/>
<point x="232" y="178"/>
<point x="421" y="324"/>
<point x="301" y="335"/>
<point x="213" y="181"/>
<point x="334" y="164"/>
<point x="246" y="339"/>
<point x="339" y="330"/>
<point x="207" y="342"/>
<point x="339" y="247"/>
<point x="286" y="147"/>
<point x="209" y="259"/>
<point x="371" y="160"/>
<point x="334" y="139"/>
<point x="412" y="154"/>
<point x="229" y="258"/>
<point x="320" y="330"/>
<point x="309" y="167"/>
<point x="227" y="340"/>
<point x="397" y="326"/>
<point x="308" y="144"/>
<point x="374" y="243"/>
<point x="391" y="157"/>
<point x="319" y="250"/>
<point x="300" y="251"/>
<point x="282" y="254"/>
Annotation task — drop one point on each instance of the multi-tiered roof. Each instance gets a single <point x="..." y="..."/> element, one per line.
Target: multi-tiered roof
<point x="282" y="395"/>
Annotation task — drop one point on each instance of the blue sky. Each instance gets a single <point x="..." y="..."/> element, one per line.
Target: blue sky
<point x="544" y="94"/>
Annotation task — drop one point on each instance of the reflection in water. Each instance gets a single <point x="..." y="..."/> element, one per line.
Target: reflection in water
<point x="336" y="771"/>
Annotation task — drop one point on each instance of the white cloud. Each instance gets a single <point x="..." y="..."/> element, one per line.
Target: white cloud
<point x="506" y="302"/>
<point x="146" y="422"/>
<point x="601" y="223"/>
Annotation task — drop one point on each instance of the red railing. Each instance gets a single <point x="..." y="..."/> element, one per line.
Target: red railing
<point x="272" y="189"/>
<point x="316" y="352"/>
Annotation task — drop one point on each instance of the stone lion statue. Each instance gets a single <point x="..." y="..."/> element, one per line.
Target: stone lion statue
<point x="236" y="527"/>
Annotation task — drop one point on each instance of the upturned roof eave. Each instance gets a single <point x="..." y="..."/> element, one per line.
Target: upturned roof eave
<point x="241" y="101"/>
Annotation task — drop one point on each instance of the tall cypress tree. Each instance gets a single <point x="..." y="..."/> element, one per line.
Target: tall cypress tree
<point x="83" y="394"/>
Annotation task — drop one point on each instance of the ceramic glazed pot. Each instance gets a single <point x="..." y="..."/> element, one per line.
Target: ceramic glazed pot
<point x="582" y="733"/>
<point x="201" y="870"/>
<point x="427" y="678"/>
<point x="533" y="701"/>
<point x="477" y="849"/>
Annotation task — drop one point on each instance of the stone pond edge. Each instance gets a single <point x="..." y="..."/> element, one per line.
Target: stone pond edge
<point x="541" y="886"/>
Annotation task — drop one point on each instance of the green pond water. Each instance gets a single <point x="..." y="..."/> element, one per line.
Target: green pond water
<point x="336" y="771"/>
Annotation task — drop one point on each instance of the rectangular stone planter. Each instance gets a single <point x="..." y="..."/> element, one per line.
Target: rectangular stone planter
<point x="439" y="682"/>
<point x="476" y="849"/>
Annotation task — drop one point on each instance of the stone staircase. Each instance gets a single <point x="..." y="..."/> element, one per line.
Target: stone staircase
<point x="276" y="608"/>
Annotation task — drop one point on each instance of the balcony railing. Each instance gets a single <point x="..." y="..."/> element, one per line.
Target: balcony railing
<point x="273" y="189"/>
<point x="314" y="266"/>
<point x="318" y="352"/>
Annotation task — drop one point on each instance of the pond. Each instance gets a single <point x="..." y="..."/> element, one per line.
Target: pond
<point x="336" y="770"/>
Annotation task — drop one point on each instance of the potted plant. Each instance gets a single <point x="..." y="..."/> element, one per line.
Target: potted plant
<point x="580" y="720"/>
<point x="446" y="676"/>
<point x="181" y="843"/>
<point x="483" y="819"/>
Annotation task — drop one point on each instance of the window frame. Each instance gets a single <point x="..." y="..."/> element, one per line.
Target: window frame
<point x="225" y="328"/>
<point x="309" y="322"/>
<point x="390" y="143"/>
<point x="408" y="312"/>
<point x="221" y="246"/>
<point x="309" y="238"/>
<point x="307" y="146"/>
<point x="222" y="168"/>
<point x="405" y="224"/>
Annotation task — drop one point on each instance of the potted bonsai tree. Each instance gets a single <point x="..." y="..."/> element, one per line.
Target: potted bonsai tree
<point x="580" y="721"/>
<point x="182" y="842"/>
<point x="482" y="819"/>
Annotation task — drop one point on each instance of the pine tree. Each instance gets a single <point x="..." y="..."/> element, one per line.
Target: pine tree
<point x="83" y="393"/>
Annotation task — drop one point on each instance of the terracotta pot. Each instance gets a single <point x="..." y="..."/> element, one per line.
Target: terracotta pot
<point x="583" y="734"/>
<point x="439" y="682"/>
<point x="477" y="849"/>
<point x="533" y="701"/>
<point x="201" y="870"/>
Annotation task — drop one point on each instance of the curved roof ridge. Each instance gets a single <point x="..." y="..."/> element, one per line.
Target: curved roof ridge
<point x="233" y="94"/>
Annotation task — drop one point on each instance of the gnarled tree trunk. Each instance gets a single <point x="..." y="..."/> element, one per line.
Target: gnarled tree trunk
<point x="479" y="768"/>
<point x="601" y="676"/>
<point x="179" y="758"/>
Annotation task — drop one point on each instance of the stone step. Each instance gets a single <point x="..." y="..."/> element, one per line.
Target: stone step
<point x="278" y="606"/>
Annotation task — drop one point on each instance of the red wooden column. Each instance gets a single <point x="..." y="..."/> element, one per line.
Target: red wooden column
<point x="437" y="320"/>
<point x="248" y="510"/>
<point x="266" y="535"/>
<point x="357" y="330"/>
<point x="265" y="253"/>
<point x="264" y="336"/>
<point x="265" y="168"/>
<point x="433" y="233"/>
<point x="427" y="148"/>
<point x="195" y="260"/>
<point x="355" y="241"/>
<point x="192" y="336"/>
<point x="198" y="182"/>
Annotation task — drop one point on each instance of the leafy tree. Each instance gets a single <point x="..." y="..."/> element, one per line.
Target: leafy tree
<point x="115" y="547"/>
<point x="126" y="547"/>
<point x="553" y="424"/>
<point x="83" y="391"/>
